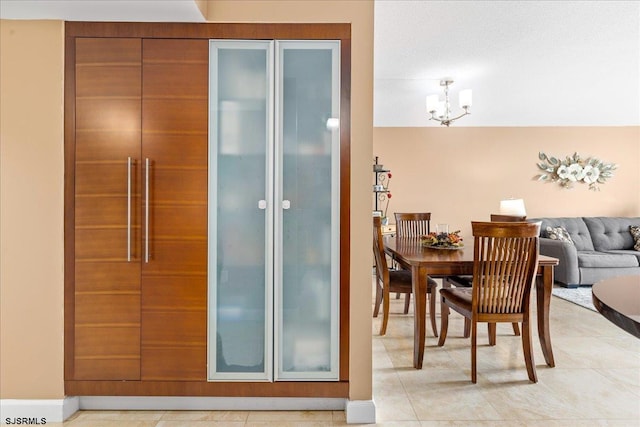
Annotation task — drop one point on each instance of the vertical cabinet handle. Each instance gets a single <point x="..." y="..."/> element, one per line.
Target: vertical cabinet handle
<point x="146" y="211"/>
<point x="128" y="209"/>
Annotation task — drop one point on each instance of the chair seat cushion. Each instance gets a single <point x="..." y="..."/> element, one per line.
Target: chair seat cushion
<point x="403" y="278"/>
<point x="458" y="296"/>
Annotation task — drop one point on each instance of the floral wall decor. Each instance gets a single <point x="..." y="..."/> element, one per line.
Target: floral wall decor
<point x="574" y="169"/>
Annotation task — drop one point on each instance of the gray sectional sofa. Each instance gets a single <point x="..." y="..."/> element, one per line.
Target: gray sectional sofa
<point x="601" y="247"/>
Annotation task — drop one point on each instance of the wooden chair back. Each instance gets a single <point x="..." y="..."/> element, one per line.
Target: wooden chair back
<point x="507" y="218"/>
<point x="504" y="268"/>
<point x="412" y="224"/>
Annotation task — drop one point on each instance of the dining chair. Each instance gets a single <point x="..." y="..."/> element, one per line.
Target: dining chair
<point x="465" y="281"/>
<point x="412" y="224"/>
<point x="505" y="260"/>
<point x="388" y="281"/>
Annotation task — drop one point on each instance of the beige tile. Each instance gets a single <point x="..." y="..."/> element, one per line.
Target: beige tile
<point x="592" y="395"/>
<point x="394" y="408"/>
<point x="474" y="423"/>
<point x="288" y="423"/>
<point x="193" y="423"/>
<point x="120" y="415"/>
<point x="446" y="394"/>
<point x="581" y="423"/>
<point x="289" y="416"/>
<point x="628" y="378"/>
<point x="109" y="423"/>
<point x="234" y="416"/>
<point x="592" y="352"/>
<point x="338" y="416"/>
<point x="398" y="423"/>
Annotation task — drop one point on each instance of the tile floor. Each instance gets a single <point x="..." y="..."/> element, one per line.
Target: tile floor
<point x="596" y="382"/>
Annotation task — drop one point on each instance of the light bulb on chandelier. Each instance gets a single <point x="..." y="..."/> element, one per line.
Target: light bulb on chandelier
<point x="441" y="110"/>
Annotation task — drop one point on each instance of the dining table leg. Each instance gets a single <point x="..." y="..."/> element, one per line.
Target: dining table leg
<point x="544" y="285"/>
<point x="418" y="286"/>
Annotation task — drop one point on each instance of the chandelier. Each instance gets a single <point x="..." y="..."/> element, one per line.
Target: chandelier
<point x="441" y="110"/>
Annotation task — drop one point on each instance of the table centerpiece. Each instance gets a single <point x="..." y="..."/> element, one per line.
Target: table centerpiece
<point x="443" y="240"/>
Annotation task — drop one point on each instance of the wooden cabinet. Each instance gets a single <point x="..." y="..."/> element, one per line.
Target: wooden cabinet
<point x="141" y="209"/>
<point x="136" y="209"/>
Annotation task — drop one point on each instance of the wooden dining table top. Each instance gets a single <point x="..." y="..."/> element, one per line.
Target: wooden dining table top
<point x="413" y="252"/>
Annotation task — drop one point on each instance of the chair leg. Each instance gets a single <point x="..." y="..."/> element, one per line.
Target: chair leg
<point x="466" y="333"/>
<point x="376" y="308"/>
<point x="385" y="313"/>
<point x="444" y="322"/>
<point x="491" y="327"/>
<point x="516" y="329"/>
<point x="527" y="348"/>
<point x="432" y="312"/>
<point x="407" y="302"/>
<point x="474" y="336"/>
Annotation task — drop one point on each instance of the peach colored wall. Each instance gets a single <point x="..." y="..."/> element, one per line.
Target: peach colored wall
<point x="460" y="174"/>
<point x="31" y="209"/>
<point x="360" y="14"/>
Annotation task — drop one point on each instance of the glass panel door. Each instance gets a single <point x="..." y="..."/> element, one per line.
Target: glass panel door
<point x="240" y="265"/>
<point x="307" y="218"/>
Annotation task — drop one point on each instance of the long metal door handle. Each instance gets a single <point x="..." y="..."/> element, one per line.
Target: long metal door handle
<point x="128" y="209"/>
<point x="146" y="211"/>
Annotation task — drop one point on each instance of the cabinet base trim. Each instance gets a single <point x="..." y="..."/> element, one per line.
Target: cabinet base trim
<point x="360" y="412"/>
<point x="184" y="403"/>
<point x="51" y="410"/>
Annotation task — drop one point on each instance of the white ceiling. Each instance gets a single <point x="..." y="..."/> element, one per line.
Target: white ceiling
<point x="529" y="63"/>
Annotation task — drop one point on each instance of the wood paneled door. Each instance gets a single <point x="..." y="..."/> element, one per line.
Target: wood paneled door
<point x="107" y="209"/>
<point x="141" y="209"/>
<point x="174" y="274"/>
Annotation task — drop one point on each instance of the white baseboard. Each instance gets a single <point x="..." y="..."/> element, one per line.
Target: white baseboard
<point x="360" y="412"/>
<point x="176" y="403"/>
<point x="14" y="411"/>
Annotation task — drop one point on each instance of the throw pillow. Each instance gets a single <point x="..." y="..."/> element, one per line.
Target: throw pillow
<point x="635" y="232"/>
<point x="559" y="233"/>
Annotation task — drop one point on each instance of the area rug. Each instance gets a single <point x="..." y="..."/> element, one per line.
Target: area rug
<point x="580" y="296"/>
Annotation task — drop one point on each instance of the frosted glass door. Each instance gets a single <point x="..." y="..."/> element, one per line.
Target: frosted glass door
<point x="240" y="211"/>
<point x="307" y="220"/>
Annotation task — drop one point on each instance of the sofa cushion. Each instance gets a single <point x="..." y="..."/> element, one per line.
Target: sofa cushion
<point x="594" y="259"/>
<point x="627" y="252"/>
<point x="611" y="233"/>
<point x="635" y="233"/>
<point x="576" y="228"/>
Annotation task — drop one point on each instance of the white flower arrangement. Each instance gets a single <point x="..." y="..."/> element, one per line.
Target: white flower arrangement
<point x="574" y="169"/>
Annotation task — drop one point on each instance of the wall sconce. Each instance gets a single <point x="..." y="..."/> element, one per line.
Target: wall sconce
<point x="441" y="110"/>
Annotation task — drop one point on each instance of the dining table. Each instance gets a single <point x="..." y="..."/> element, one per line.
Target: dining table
<point x="423" y="261"/>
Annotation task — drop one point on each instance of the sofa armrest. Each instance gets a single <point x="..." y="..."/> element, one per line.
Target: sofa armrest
<point x="566" y="271"/>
